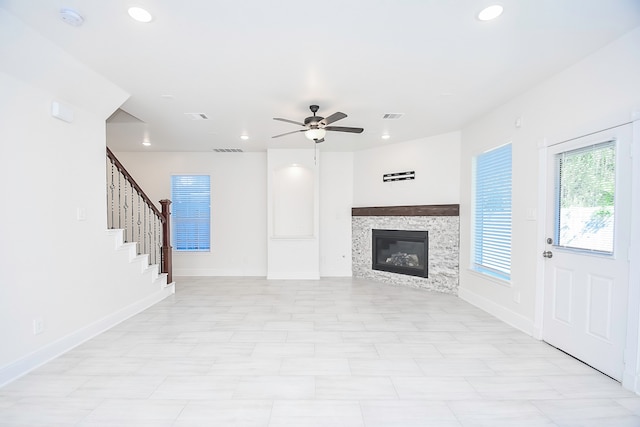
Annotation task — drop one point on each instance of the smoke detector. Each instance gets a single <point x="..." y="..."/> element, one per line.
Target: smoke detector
<point x="71" y="17"/>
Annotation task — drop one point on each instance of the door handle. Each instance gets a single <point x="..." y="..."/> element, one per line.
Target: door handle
<point x="547" y="254"/>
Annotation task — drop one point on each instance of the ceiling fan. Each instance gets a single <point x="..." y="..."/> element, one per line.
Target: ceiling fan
<point x="315" y="127"/>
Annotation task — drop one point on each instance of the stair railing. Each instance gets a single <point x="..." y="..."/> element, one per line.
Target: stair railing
<point x="130" y="209"/>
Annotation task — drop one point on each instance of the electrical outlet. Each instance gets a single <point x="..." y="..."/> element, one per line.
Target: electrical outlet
<point x="38" y="326"/>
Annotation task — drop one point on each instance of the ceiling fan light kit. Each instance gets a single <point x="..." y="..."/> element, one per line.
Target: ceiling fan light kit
<point x="315" y="134"/>
<point x="316" y="126"/>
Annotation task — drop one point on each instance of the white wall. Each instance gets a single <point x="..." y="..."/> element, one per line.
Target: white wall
<point x="238" y="207"/>
<point x="52" y="264"/>
<point x="601" y="91"/>
<point x="336" y="201"/>
<point x="435" y="160"/>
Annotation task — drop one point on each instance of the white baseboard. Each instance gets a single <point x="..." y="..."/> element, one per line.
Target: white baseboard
<point x="213" y="272"/>
<point x="49" y="352"/>
<point x="514" y="319"/>
<point x="216" y="272"/>
<point x="293" y="276"/>
<point x="336" y="272"/>
<point x="631" y="381"/>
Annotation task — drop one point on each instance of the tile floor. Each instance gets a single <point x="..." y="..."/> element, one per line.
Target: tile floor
<point x="334" y="352"/>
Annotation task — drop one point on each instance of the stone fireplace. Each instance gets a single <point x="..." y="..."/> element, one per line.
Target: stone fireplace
<point x="440" y="223"/>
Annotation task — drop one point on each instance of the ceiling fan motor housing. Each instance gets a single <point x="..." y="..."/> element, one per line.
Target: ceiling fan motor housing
<point x="313" y="122"/>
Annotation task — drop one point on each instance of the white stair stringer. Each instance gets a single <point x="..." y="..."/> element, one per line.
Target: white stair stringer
<point x="130" y="248"/>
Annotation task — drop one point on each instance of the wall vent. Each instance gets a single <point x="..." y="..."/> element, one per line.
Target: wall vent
<point x="392" y="116"/>
<point x="197" y="116"/>
<point x="228" y="150"/>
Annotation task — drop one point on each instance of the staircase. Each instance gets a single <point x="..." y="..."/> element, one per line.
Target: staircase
<point x="141" y="227"/>
<point x="129" y="253"/>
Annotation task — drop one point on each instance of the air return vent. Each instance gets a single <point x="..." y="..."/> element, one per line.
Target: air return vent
<point x="197" y="116"/>
<point x="392" y="116"/>
<point x="228" y="150"/>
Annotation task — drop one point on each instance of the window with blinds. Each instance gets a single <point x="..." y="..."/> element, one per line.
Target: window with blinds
<point x="585" y="190"/>
<point x="492" y="215"/>
<point x="191" y="212"/>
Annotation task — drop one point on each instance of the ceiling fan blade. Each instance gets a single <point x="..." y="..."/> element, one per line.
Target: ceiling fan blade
<point x="289" y="133"/>
<point x="288" y="121"/>
<point x="333" y="118"/>
<point x="344" y="129"/>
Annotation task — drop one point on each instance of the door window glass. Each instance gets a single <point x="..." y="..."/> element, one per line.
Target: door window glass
<point x="585" y="189"/>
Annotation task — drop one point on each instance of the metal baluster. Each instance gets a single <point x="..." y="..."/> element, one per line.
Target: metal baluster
<point x="126" y="209"/>
<point x="133" y="204"/>
<point x="152" y="216"/>
<point x="152" y="250"/>
<point x="120" y="201"/>
<point x="112" y="187"/>
<point x="153" y="239"/>
<point x="144" y="231"/>
<point x="140" y="248"/>
<point x="159" y="242"/>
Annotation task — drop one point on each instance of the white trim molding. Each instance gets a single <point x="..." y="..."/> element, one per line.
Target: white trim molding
<point x="631" y="375"/>
<point x="512" y="318"/>
<point x="49" y="352"/>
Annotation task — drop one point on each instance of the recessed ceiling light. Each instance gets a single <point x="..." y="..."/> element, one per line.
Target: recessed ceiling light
<point x="386" y="136"/>
<point x="244" y="137"/>
<point x="146" y="143"/>
<point x="140" y="14"/>
<point x="491" y="12"/>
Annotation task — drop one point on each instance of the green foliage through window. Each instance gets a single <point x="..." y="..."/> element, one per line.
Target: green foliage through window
<point x="586" y="180"/>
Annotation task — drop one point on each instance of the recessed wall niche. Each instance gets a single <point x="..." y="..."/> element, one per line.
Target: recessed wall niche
<point x="293" y="202"/>
<point x="293" y="198"/>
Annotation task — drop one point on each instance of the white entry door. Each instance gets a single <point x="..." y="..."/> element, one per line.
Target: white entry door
<point x="586" y="268"/>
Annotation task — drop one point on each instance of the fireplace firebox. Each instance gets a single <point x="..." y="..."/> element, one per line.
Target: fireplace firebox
<point x="400" y="251"/>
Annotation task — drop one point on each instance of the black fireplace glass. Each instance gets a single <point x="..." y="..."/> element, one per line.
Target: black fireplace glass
<point x="400" y="251"/>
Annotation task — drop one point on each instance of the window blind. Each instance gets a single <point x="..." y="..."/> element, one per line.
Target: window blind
<point x="190" y="197"/>
<point x="492" y="222"/>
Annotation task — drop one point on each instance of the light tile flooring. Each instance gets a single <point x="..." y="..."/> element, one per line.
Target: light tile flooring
<point x="334" y="352"/>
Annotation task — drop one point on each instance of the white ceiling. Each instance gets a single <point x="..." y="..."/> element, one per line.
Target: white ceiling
<point x="244" y="62"/>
